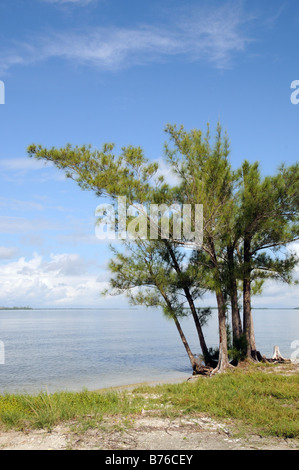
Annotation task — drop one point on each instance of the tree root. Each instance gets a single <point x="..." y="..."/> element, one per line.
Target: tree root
<point x="203" y="370"/>
<point x="220" y="369"/>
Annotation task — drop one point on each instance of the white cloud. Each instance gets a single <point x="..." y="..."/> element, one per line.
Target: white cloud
<point x="7" y="252"/>
<point x="69" y="280"/>
<point x="294" y="248"/>
<point x="16" y="204"/>
<point x="65" y="265"/>
<point x="20" y="164"/>
<point x="214" y="35"/>
<point x="20" y="170"/>
<point x="168" y="174"/>
<point x="277" y="294"/>
<point x="65" y="280"/>
<point x="22" y="225"/>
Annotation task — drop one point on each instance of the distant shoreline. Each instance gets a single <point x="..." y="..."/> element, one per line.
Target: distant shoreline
<point x="124" y="308"/>
<point x="16" y="308"/>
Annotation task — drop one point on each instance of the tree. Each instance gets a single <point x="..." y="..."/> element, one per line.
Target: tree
<point x="144" y="274"/>
<point x="207" y="179"/>
<point x="129" y="175"/>
<point x="267" y="221"/>
<point x="247" y="219"/>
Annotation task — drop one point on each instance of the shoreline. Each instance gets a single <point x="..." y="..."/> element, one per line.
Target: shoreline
<point x="122" y="387"/>
<point x="170" y="418"/>
<point x="147" y="383"/>
<point x="117" y="387"/>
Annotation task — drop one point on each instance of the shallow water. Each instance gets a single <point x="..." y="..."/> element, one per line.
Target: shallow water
<point x="75" y="349"/>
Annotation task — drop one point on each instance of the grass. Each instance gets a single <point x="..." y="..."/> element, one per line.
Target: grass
<point x="263" y="401"/>
<point x="47" y="410"/>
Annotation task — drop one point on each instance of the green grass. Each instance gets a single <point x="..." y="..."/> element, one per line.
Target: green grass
<point x="46" y="410"/>
<point x="256" y="398"/>
<point x="266" y="402"/>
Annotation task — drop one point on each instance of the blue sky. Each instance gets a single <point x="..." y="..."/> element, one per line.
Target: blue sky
<point x="89" y="72"/>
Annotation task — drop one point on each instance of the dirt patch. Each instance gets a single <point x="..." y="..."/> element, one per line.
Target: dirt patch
<point x="145" y="432"/>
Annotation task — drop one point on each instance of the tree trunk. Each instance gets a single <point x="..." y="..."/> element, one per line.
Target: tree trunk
<point x="203" y="345"/>
<point x="202" y="342"/>
<point x="194" y="363"/>
<point x="223" y="362"/>
<point x="252" y="352"/>
<point x="247" y="319"/>
<point x="196" y="366"/>
<point x="236" y="319"/>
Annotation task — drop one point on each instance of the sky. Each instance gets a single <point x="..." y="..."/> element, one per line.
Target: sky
<point x="97" y="71"/>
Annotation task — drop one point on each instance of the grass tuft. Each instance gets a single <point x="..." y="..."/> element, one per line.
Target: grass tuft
<point x="266" y="402"/>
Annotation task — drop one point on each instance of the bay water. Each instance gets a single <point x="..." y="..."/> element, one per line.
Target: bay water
<point x="75" y="349"/>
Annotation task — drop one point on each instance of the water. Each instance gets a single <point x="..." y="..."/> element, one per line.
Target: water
<point x="75" y="349"/>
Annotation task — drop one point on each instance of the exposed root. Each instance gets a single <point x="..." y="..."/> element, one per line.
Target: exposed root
<point x="203" y="370"/>
<point x="221" y="368"/>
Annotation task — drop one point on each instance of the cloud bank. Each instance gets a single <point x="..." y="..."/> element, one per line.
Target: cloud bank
<point x="65" y="280"/>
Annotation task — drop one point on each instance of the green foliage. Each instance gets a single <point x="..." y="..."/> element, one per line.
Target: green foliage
<point x="249" y="220"/>
<point x="204" y="315"/>
<point x="237" y="348"/>
<point x="101" y="171"/>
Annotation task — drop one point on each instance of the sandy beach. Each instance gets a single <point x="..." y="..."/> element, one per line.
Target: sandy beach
<point x="146" y="432"/>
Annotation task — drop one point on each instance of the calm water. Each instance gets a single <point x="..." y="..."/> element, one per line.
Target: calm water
<point x="75" y="349"/>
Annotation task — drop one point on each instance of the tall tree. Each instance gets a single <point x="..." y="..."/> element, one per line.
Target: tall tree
<point x="144" y="274"/>
<point x="130" y="175"/>
<point x="267" y="221"/>
<point x="207" y="179"/>
<point x="246" y="218"/>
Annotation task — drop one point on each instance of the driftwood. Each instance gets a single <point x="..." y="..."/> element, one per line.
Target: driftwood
<point x="276" y="358"/>
<point x="277" y="355"/>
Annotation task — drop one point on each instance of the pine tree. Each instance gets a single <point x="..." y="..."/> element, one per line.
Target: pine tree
<point x="267" y="221"/>
<point x="207" y="179"/>
<point x="143" y="272"/>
